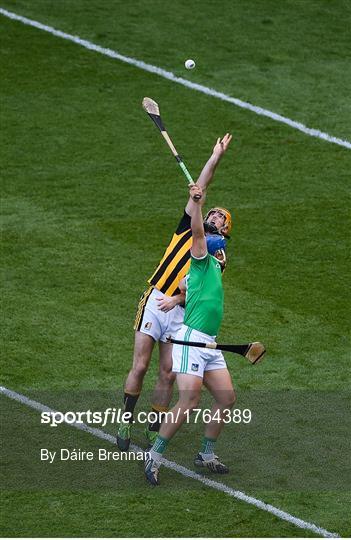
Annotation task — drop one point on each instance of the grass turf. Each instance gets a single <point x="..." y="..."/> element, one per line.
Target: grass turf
<point x="90" y="198"/>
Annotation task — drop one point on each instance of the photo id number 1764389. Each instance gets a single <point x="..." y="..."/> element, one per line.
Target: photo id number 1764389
<point x="227" y="416"/>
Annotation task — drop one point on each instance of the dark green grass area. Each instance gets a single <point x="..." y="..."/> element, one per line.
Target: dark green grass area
<point x="160" y="513"/>
<point x="90" y="198"/>
<point x="290" y="57"/>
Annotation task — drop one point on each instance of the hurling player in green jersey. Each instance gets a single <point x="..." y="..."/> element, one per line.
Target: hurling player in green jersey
<point x="197" y="366"/>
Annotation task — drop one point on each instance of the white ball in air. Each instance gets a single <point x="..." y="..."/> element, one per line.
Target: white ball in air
<point x="189" y="64"/>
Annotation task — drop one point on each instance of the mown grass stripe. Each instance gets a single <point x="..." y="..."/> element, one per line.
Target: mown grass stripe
<point x="219" y="486"/>
<point x="179" y="80"/>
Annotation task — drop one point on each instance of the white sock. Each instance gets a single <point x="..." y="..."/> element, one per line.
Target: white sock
<point x="207" y="457"/>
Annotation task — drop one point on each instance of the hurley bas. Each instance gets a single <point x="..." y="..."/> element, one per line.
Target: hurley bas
<point x="76" y="454"/>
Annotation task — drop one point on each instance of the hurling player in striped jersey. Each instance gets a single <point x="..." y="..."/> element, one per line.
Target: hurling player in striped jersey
<point x="160" y="311"/>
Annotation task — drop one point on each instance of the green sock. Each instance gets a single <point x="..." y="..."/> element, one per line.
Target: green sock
<point x="208" y="445"/>
<point x="160" y="444"/>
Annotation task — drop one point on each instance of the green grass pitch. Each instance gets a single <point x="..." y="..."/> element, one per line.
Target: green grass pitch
<point x="90" y="197"/>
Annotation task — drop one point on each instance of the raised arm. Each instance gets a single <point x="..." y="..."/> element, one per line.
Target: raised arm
<point x="208" y="171"/>
<point x="199" y="247"/>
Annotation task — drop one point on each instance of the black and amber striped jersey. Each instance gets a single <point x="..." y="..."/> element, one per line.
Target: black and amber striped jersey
<point x="175" y="263"/>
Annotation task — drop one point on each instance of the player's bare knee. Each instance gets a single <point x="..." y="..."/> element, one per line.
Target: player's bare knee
<point x="227" y="400"/>
<point x="139" y="369"/>
<point x="230" y="401"/>
<point x="166" y="377"/>
<point x="190" y="402"/>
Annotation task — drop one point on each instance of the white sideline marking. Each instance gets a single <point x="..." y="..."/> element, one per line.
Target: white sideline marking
<point x="170" y="76"/>
<point x="182" y="470"/>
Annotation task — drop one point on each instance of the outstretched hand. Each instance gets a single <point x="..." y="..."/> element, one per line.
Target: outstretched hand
<point x="222" y="144"/>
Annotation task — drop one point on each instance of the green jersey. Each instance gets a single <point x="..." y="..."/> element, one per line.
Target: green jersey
<point x="204" y="295"/>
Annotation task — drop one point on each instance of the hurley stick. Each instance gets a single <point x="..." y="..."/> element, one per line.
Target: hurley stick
<point x="254" y="352"/>
<point x="153" y="110"/>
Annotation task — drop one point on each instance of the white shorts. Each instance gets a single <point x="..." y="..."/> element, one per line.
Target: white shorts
<point x="195" y="360"/>
<point x="154" y="322"/>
